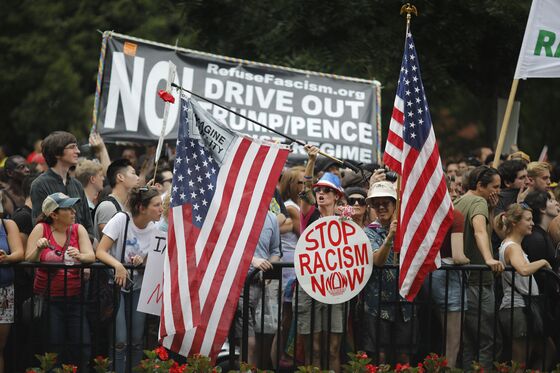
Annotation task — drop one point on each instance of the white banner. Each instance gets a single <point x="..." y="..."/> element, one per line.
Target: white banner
<point x="152" y="284"/>
<point x="540" y="52"/>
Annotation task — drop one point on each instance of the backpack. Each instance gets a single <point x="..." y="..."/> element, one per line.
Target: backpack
<point x="104" y="297"/>
<point x="108" y="198"/>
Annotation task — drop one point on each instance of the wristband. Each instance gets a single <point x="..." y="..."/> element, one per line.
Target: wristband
<point x="308" y="177"/>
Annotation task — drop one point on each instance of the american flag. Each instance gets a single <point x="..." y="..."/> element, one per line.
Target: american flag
<point x="222" y="186"/>
<point x="426" y="211"/>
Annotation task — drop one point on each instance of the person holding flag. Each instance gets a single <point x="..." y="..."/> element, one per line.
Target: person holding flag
<point x="425" y="211"/>
<point x="387" y="318"/>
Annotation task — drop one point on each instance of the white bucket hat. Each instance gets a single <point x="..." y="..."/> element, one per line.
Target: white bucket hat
<point x="382" y="189"/>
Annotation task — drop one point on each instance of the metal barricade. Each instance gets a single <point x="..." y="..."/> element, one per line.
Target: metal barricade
<point x="458" y="309"/>
<point x="430" y="328"/>
<point x="69" y="321"/>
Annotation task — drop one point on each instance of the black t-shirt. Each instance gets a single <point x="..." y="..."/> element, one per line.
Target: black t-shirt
<point x="538" y="245"/>
<point x="23" y="219"/>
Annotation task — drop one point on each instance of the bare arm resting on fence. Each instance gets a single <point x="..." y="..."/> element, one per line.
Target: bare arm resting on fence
<point x="103" y="255"/>
<point x="483" y="243"/>
<point x="85" y="253"/>
<point x="514" y="255"/>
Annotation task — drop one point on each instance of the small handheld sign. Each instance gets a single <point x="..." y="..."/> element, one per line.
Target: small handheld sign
<point x="333" y="260"/>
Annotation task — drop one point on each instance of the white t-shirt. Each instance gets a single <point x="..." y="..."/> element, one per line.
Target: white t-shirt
<point x="138" y="241"/>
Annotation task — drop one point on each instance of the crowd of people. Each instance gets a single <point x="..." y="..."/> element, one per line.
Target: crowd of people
<point x="59" y="207"/>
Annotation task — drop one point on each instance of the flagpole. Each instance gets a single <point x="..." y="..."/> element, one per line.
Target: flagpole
<point x="505" y="123"/>
<point x="342" y="162"/>
<point x="409" y="10"/>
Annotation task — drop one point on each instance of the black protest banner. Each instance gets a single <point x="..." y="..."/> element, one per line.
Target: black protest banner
<point x="339" y="114"/>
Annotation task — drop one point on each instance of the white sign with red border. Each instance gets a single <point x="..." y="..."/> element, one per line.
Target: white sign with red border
<point x="333" y="260"/>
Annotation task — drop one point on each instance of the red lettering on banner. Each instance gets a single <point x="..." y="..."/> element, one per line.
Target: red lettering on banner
<point x="347" y="230"/>
<point x="347" y="251"/>
<point x="310" y="239"/>
<point x="327" y="254"/>
<point x="355" y="277"/>
<point x="362" y="255"/>
<point x="318" y="264"/>
<point x="331" y="231"/>
<point x="157" y="293"/>
<point x="316" y="286"/>
<point x="320" y="227"/>
<point x="302" y="265"/>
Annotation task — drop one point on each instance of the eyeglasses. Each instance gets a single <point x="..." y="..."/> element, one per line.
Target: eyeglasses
<point x="377" y="205"/>
<point x="359" y="201"/>
<point x="71" y="146"/>
<point x="323" y="189"/>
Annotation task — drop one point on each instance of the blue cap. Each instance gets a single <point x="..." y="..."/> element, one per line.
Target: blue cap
<point x="332" y="181"/>
<point x="57" y="201"/>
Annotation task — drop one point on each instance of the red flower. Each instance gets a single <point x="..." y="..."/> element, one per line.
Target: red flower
<point x="176" y="368"/>
<point x="361" y="356"/>
<point x="401" y="367"/>
<point x="444" y="363"/>
<point x="162" y="353"/>
<point x="371" y="368"/>
<point x="166" y="96"/>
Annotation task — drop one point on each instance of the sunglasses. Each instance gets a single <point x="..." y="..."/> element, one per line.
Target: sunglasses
<point x="377" y="205"/>
<point x="323" y="189"/>
<point x="359" y="201"/>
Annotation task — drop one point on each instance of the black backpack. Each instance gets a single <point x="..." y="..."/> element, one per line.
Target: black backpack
<point x="108" y="198"/>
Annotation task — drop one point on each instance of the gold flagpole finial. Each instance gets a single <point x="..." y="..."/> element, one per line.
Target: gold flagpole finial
<point x="409" y="10"/>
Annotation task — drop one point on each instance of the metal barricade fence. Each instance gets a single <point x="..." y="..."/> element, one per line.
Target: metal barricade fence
<point x="458" y="311"/>
<point x="480" y="323"/>
<point x="65" y="318"/>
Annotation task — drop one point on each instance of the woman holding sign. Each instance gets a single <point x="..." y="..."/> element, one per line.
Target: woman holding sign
<point x="388" y="326"/>
<point x="317" y="201"/>
<point x="127" y="240"/>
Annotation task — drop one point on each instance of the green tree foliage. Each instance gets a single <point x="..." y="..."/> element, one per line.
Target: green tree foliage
<point x="49" y="59"/>
<point x="468" y="52"/>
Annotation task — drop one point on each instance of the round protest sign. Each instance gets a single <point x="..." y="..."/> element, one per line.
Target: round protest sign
<point x="333" y="260"/>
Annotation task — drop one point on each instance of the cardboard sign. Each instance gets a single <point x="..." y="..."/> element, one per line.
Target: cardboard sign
<point x="333" y="260"/>
<point x="151" y="293"/>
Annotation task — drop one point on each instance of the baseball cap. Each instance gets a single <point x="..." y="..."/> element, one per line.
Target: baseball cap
<point x="57" y="201"/>
<point x="382" y="189"/>
<point x="332" y="181"/>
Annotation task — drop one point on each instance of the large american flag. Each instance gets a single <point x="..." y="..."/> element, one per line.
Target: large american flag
<point x="426" y="211"/>
<point x="222" y="186"/>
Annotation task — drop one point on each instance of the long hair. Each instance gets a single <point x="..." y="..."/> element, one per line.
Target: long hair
<point x="289" y="183"/>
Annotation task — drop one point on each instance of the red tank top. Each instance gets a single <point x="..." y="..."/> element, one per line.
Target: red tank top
<point x="55" y="254"/>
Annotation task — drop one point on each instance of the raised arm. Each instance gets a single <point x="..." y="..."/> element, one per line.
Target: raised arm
<point x="307" y="198"/>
